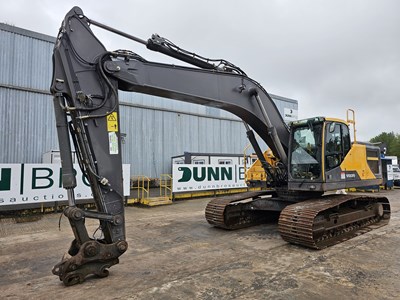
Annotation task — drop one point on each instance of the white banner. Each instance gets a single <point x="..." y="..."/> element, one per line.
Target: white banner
<point x="190" y="178"/>
<point x="290" y="114"/>
<point x="36" y="183"/>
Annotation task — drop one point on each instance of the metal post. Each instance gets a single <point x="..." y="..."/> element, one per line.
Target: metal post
<point x="71" y="197"/>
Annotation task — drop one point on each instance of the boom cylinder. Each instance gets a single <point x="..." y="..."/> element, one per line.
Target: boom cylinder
<point x="272" y="130"/>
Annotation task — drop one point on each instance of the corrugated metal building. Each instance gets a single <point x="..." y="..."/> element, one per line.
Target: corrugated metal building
<point x="155" y="128"/>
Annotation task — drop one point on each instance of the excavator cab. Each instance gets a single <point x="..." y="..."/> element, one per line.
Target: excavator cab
<point x="322" y="157"/>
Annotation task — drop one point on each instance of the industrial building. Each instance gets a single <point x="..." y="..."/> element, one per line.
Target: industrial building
<point x="154" y="129"/>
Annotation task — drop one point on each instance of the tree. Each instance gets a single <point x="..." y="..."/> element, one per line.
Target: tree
<point x="392" y="141"/>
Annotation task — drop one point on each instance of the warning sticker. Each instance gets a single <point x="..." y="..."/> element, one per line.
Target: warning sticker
<point x="113" y="142"/>
<point x="112" y="122"/>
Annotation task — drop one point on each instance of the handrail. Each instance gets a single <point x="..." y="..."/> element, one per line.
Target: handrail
<point x="166" y="185"/>
<point x="142" y="187"/>
<point x="352" y="121"/>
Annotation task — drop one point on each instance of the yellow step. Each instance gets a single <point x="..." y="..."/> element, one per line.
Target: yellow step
<point x="154" y="201"/>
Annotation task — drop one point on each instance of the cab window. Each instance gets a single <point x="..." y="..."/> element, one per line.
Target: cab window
<point x="305" y="156"/>
<point x="337" y="144"/>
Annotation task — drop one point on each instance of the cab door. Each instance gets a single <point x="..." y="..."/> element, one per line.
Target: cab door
<point x="337" y="145"/>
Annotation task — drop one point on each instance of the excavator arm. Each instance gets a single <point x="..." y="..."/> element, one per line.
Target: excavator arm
<point x="85" y="84"/>
<point x="86" y="107"/>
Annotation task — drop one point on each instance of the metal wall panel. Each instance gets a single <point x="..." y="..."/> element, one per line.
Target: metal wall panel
<point x="25" y="60"/>
<point x="153" y="137"/>
<point x="156" y="129"/>
<point x="27" y="126"/>
<point x="27" y="123"/>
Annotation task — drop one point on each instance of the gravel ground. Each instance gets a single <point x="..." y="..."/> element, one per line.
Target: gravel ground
<point x="175" y="254"/>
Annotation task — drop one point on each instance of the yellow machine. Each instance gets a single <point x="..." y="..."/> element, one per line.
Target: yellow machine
<point x="255" y="175"/>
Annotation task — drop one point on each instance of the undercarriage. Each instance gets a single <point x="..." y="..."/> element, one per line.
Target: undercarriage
<point x="313" y="223"/>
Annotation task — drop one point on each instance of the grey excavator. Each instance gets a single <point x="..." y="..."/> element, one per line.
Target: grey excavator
<point x="310" y="157"/>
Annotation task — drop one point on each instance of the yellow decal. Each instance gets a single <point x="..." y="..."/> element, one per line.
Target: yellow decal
<point x="112" y="122"/>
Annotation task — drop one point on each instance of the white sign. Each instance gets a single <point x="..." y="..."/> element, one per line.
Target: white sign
<point x="36" y="183"/>
<point x="190" y="178"/>
<point x="290" y="114"/>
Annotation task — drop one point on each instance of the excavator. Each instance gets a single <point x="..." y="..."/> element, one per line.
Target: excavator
<point x="307" y="158"/>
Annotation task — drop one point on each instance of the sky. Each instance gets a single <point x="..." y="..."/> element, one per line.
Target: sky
<point x="330" y="55"/>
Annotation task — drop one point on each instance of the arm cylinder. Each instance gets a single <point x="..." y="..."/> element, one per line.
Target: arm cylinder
<point x="68" y="173"/>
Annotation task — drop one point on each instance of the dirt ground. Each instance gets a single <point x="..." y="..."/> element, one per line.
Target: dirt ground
<point x="174" y="254"/>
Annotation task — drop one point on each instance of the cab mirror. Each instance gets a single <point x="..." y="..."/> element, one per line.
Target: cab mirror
<point x="332" y="127"/>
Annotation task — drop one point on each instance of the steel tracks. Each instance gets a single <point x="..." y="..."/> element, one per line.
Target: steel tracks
<point x="322" y="223"/>
<point x="234" y="212"/>
<point x="316" y="223"/>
